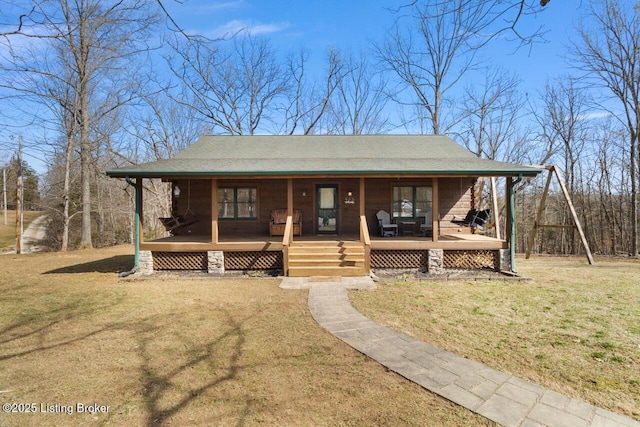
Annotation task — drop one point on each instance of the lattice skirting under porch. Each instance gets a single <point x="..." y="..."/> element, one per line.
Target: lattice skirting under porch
<point x="398" y="259"/>
<point x="418" y="259"/>
<point x="180" y="261"/>
<point x="253" y="260"/>
<point x="470" y="259"/>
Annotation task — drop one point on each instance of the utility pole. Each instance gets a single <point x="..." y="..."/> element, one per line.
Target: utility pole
<point x="4" y="193"/>
<point x="19" y="200"/>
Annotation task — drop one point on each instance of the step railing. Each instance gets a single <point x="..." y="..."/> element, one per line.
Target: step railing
<point x="365" y="238"/>
<point x="287" y="240"/>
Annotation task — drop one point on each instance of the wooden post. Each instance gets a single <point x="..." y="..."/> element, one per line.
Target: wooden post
<point x="4" y="193"/>
<point x="573" y="214"/>
<point x="435" y="210"/>
<point x="537" y="224"/>
<point x="19" y="194"/>
<point x="290" y="197"/>
<point x="361" y="196"/>
<point x="494" y="206"/>
<point x="214" y="211"/>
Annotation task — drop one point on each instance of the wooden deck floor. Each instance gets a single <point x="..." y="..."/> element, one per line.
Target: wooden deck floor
<point x="274" y="243"/>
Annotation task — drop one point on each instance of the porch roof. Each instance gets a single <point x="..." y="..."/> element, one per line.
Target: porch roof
<point x="276" y="155"/>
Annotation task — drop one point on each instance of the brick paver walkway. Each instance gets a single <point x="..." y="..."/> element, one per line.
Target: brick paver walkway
<point x="500" y="397"/>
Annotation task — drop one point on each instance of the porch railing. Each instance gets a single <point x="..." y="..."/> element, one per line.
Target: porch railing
<point x="366" y="239"/>
<point x="287" y="239"/>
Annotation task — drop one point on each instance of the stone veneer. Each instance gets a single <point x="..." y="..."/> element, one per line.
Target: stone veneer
<point x="145" y="262"/>
<point x="504" y="260"/>
<point x="435" y="258"/>
<point x="215" y="262"/>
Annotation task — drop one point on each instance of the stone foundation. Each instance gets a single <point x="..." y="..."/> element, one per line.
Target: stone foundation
<point x="435" y="258"/>
<point x="215" y="263"/>
<point x="145" y="262"/>
<point x="504" y="260"/>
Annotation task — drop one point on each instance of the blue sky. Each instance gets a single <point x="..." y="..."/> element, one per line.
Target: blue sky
<point x="352" y="25"/>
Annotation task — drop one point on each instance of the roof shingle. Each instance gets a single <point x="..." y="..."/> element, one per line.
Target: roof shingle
<point x="315" y="155"/>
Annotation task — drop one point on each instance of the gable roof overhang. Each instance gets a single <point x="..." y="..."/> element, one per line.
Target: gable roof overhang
<point x="315" y="155"/>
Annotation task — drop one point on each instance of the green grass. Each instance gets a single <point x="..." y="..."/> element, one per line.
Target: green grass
<point x="574" y="328"/>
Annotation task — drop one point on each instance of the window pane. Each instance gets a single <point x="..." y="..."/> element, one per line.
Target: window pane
<point x="247" y="202"/>
<point x="402" y="202"/>
<point x="226" y="203"/>
<point x="423" y="202"/>
<point x="411" y="202"/>
<point x="237" y="202"/>
<point x="423" y="194"/>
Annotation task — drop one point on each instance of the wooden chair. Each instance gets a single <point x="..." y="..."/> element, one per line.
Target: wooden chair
<point x="387" y="229"/>
<point x="426" y="227"/>
<point x="278" y="222"/>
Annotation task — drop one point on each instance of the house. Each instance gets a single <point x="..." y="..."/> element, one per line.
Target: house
<point x="313" y="205"/>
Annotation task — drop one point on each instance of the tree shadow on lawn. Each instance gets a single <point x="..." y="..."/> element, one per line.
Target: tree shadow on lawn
<point x="170" y="388"/>
<point x="115" y="264"/>
<point x="36" y="325"/>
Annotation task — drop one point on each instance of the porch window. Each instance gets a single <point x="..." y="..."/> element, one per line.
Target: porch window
<point x="411" y="201"/>
<point x="237" y="202"/>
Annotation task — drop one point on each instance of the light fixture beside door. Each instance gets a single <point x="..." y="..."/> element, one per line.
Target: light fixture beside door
<point x="349" y="200"/>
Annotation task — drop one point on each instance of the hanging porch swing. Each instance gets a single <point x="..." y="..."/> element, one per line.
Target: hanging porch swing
<point x="189" y="217"/>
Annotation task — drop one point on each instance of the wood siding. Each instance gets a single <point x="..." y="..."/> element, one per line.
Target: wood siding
<point x="455" y="199"/>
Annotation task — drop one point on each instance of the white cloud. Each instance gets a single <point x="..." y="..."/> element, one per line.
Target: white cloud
<point x="225" y="5"/>
<point x="595" y="115"/>
<point x="239" y="26"/>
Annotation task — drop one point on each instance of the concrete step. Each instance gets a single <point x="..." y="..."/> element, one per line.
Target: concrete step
<point x="326" y="271"/>
<point x="325" y="263"/>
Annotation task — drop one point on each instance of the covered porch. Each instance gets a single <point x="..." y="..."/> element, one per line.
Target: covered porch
<point x="341" y="252"/>
<point x="319" y="205"/>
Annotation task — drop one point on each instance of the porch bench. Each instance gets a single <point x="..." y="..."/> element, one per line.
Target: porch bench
<point x="278" y="222"/>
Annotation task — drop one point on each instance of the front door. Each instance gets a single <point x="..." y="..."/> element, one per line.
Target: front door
<point x="327" y="209"/>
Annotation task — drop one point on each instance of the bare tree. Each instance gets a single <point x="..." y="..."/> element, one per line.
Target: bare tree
<point x="439" y="47"/>
<point x="96" y="41"/>
<point x="492" y="112"/>
<point x="609" y="51"/>
<point x="234" y="85"/>
<point x="308" y="97"/>
<point x="358" y="105"/>
<point x="565" y="126"/>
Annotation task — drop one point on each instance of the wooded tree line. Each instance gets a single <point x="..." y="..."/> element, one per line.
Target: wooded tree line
<point x="9" y="185"/>
<point x="113" y="83"/>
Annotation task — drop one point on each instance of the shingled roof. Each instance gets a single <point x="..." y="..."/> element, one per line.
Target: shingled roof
<point x="358" y="155"/>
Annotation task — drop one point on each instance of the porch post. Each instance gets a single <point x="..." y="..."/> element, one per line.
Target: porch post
<point x="362" y="207"/>
<point x="137" y="202"/>
<point x="511" y="226"/>
<point x="435" y="210"/>
<point x="289" y="196"/>
<point x="494" y="206"/>
<point x="214" y="211"/>
<point x="140" y="210"/>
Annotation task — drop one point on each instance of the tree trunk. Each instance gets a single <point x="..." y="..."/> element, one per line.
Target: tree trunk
<point x="65" y="196"/>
